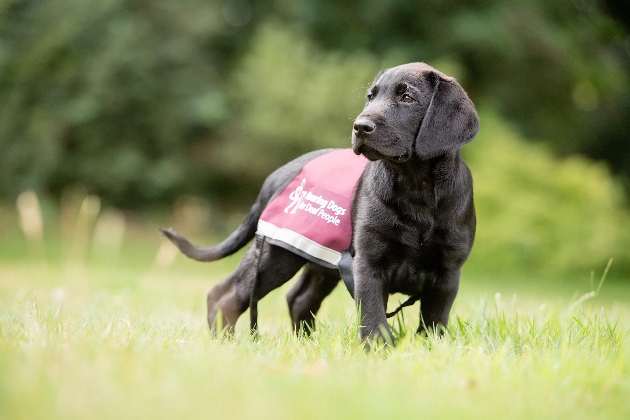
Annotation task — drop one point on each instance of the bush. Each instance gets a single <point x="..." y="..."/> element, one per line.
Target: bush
<point x="289" y="98"/>
<point x="108" y="94"/>
<point x="540" y="213"/>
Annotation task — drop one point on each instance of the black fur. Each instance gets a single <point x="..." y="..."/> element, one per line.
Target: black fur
<point x="413" y="214"/>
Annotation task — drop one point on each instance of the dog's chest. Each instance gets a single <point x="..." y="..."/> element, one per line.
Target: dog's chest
<point x="398" y="232"/>
<point x="401" y="213"/>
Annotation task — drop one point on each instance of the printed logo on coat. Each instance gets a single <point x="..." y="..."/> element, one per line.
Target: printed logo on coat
<point x="311" y="215"/>
<point x="317" y="205"/>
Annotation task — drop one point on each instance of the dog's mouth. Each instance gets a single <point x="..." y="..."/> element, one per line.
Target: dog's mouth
<point x="373" y="154"/>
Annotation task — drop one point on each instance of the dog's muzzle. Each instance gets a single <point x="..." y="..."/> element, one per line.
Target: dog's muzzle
<point x="362" y="129"/>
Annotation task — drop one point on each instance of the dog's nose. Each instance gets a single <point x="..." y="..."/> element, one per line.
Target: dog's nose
<point x="363" y="126"/>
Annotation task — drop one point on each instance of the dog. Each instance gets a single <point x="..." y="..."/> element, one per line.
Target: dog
<point x="412" y="214"/>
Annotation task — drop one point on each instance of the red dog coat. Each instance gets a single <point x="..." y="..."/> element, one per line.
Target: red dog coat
<point x="311" y="216"/>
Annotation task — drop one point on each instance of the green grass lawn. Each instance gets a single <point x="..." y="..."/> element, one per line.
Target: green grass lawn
<point x="121" y="339"/>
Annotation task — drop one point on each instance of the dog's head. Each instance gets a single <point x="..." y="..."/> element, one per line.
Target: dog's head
<point x="413" y="109"/>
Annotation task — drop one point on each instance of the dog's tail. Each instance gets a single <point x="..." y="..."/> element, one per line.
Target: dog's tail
<point x="273" y="185"/>
<point x="237" y="240"/>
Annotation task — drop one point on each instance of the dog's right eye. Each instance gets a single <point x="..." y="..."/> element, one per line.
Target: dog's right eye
<point x="369" y="96"/>
<point x="408" y="99"/>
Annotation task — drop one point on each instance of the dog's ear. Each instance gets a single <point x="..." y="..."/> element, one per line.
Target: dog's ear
<point x="450" y="120"/>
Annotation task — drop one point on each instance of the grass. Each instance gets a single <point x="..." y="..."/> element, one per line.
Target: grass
<point x="126" y="338"/>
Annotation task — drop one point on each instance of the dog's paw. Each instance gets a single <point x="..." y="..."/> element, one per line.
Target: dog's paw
<point x="377" y="339"/>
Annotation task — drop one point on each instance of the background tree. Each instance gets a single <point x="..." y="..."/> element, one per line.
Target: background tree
<point x="120" y="94"/>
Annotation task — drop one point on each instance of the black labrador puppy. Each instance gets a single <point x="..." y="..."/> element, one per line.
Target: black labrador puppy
<point x="413" y="218"/>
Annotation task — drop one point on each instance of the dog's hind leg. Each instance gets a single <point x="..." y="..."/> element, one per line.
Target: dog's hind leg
<point x="232" y="296"/>
<point x="305" y="298"/>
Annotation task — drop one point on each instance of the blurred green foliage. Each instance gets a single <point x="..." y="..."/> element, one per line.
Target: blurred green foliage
<point x="558" y="69"/>
<point x="145" y="101"/>
<point x="290" y="98"/>
<point x="107" y="93"/>
<point x="136" y="98"/>
<point x="541" y="214"/>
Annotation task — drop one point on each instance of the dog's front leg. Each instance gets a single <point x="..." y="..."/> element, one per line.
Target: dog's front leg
<point x="371" y="299"/>
<point x="436" y="303"/>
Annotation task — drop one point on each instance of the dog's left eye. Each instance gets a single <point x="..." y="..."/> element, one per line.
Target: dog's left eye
<point x="407" y="98"/>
